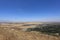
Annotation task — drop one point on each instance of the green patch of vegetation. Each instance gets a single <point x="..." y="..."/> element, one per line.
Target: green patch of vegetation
<point x="49" y="29"/>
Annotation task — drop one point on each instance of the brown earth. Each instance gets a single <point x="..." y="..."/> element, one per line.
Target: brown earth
<point x="6" y="33"/>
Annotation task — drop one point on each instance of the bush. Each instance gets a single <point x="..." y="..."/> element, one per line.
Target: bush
<point x="49" y="29"/>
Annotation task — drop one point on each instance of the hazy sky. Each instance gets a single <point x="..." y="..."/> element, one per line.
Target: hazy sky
<point x="30" y="10"/>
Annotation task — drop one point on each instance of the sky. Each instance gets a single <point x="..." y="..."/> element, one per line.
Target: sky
<point x="30" y="10"/>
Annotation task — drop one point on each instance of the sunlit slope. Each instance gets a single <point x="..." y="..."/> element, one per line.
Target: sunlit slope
<point x="7" y="34"/>
<point x="13" y="32"/>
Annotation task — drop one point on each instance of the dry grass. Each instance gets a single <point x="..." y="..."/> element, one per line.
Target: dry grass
<point x="7" y="33"/>
<point x="35" y="36"/>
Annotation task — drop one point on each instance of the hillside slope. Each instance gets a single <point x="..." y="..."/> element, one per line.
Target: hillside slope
<point x="7" y="34"/>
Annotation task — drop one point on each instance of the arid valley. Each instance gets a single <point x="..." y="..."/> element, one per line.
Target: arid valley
<point x="21" y="31"/>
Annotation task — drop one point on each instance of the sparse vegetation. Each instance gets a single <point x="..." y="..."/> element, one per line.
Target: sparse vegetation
<point x="13" y="32"/>
<point x="49" y="29"/>
<point x="6" y="34"/>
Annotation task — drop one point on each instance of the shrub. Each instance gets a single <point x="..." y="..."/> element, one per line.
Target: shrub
<point x="46" y="28"/>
